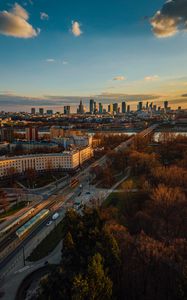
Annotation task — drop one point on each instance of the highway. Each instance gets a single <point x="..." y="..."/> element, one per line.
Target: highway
<point x="61" y="200"/>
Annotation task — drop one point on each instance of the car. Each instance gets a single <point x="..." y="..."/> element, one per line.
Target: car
<point x="55" y="216"/>
<point x="88" y="193"/>
<point x="49" y="223"/>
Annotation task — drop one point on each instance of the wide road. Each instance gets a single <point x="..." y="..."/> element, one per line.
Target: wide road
<point x="62" y="198"/>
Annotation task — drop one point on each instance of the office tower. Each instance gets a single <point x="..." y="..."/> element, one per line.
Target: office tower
<point x="154" y="107"/>
<point x="67" y="110"/>
<point x="115" y="108"/>
<point x="91" y="106"/>
<point x="31" y="134"/>
<point x="80" y="109"/>
<point x="33" y="111"/>
<point x="128" y="108"/>
<point x="147" y="105"/>
<point x="50" y="112"/>
<point x="165" y="105"/>
<point x="110" y="108"/>
<point x="140" y="105"/>
<point x="151" y="105"/>
<point x="95" y="107"/>
<point x="7" y="134"/>
<point x="159" y="108"/>
<point x="100" y="108"/>
<point x="124" y="108"/>
<point x="41" y="111"/>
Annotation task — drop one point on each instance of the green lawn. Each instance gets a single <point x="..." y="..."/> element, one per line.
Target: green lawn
<point x="42" y="180"/>
<point x="15" y="208"/>
<point x="114" y="200"/>
<point x="48" y="244"/>
<point x="133" y="179"/>
<point x="126" y="203"/>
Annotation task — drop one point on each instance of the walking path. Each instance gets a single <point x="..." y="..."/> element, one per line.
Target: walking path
<point x="13" y="281"/>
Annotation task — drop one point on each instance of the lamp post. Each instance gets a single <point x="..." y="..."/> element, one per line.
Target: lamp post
<point x="24" y="260"/>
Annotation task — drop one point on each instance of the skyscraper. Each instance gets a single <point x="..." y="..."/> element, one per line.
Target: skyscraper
<point x="80" y="109"/>
<point x="128" y="108"/>
<point x="41" y="111"/>
<point x="140" y="105"/>
<point x="95" y="107"/>
<point x="110" y="108"/>
<point x="165" y="105"/>
<point x="115" y="107"/>
<point x="67" y="110"/>
<point x="124" y="107"/>
<point x="91" y="106"/>
<point x="33" y="111"/>
<point x="100" y="108"/>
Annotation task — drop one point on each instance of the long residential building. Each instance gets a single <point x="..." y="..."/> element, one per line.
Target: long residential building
<point x="67" y="160"/>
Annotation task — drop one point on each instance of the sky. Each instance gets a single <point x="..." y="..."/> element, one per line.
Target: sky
<point x="56" y="52"/>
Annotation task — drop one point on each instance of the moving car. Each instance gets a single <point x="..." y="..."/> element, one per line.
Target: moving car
<point x="55" y="216"/>
<point x="49" y="223"/>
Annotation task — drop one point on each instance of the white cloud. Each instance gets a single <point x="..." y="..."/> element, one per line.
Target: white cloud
<point x="151" y="78"/>
<point x="164" y="26"/>
<point x="44" y="16"/>
<point x="50" y="60"/>
<point x="119" y="78"/>
<point x="19" y="11"/>
<point x="15" y="23"/>
<point x="76" y="30"/>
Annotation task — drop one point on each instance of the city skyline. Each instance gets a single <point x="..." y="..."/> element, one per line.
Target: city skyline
<point x="67" y="51"/>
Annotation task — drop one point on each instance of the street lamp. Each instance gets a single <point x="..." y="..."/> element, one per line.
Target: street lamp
<point x="24" y="259"/>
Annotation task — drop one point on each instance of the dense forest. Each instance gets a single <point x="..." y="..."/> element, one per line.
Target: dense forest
<point x="133" y="247"/>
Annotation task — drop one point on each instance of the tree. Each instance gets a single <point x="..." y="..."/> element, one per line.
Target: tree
<point x="100" y="285"/>
<point x="90" y="260"/>
<point x="11" y="174"/>
<point x="143" y="162"/>
<point x="4" y="203"/>
<point x="172" y="176"/>
<point x="96" y="285"/>
<point x="152" y="269"/>
<point x="169" y="206"/>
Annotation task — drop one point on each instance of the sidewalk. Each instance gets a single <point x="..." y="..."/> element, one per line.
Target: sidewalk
<point x="13" y="282"/>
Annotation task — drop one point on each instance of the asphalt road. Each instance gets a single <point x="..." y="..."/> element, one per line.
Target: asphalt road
<point x="69" y="194"/>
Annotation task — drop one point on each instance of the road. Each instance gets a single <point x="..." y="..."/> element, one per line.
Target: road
<point x="63" y="199"/>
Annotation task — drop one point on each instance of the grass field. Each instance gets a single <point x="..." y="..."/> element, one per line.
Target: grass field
<point x="126" y="203"/>
<point x="42" y="180"/>
<point x="15" y="208"/>
<point x="48" y="244"/>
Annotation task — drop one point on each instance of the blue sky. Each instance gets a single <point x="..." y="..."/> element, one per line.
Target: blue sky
<point x="87" y="48"/>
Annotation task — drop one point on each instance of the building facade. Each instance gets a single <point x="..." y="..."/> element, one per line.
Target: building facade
<point x="31" y="134"/>
<point x="7" y="134"/>
<point x="67" y="160"/>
